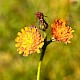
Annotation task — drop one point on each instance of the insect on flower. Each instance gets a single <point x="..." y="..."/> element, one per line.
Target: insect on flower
<point x="43" y="24"/>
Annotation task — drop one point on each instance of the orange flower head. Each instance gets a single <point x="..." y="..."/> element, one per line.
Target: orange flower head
<point x="29" y="40"/>
<point x="61" y="32"/>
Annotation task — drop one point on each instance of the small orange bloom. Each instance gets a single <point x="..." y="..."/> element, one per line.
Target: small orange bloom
<point x="61" y="32"/>
<point x="29" y="40"/>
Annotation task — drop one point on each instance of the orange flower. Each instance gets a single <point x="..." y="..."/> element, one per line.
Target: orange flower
<point x="61" y="32"/>
<point x="29" y="40"/>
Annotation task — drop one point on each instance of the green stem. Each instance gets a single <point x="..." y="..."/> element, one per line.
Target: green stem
<point x="38" y="72"/>
<point x="41" y="58"/>
<point x="42" y="55"/>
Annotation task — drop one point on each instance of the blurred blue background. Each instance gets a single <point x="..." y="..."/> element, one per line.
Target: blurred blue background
<point x="61" y="62"/>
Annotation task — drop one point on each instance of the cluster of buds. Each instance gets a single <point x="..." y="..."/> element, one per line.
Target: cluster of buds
<point x="43" y="25"/>
<point x="30" y="40"/>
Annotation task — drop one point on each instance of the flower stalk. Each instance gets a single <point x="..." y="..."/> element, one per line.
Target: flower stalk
<point x="38" y="72"/>
<point x="42" y="55"/>
<point x="41" y="58"/>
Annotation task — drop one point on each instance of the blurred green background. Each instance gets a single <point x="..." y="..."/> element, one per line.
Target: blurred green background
<point x="61" y="62"/>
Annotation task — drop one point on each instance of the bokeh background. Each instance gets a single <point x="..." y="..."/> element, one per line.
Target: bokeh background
<point x="61" y="61"/>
